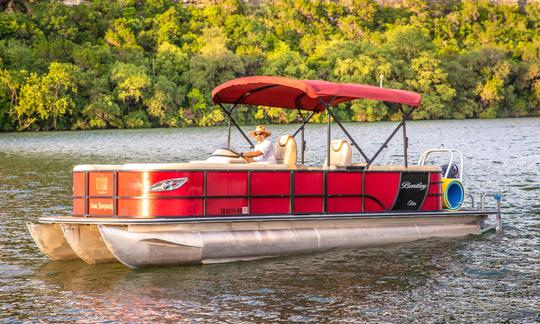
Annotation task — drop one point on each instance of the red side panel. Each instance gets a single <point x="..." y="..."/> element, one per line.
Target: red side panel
<point x="100" y="206"/>
<point x="435" y="183"/>
<point x="380" y="187"/>
<point x="100" y="184"/>
<point x="146" y="208"/>
<point x="270" y="183"/>
<point x="304" y="205"/>
<point x="78" y="191"/>
<point x="78" y="206"/>
<point x="136" y="184"/>
<point x="270" y="206"/>
<point x="434" y="198"/>
<point x="226" y="206"/>
<point x="344" y="183"/>
<point x="226" y="183"/>
<point x="344" y="204"/>
<point x="308" y="183"/>
<point x="78" y="184"/>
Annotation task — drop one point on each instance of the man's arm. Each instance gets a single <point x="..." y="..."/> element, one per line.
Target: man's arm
<point x="251" y="154"/>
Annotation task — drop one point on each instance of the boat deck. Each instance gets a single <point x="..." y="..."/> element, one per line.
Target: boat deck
<point x="265" y="218"/>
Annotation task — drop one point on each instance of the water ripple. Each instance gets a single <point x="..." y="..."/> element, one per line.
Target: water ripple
<point x="490" y="279"/>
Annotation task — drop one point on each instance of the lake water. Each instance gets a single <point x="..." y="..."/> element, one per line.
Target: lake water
<point x="489" y="278"/>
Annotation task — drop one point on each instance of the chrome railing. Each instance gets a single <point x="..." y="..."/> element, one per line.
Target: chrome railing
<point x="498" y="198"/>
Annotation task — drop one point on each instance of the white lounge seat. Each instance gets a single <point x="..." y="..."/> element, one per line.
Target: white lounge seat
<point x="340" y="153"/>
<point x="285" y="150"/>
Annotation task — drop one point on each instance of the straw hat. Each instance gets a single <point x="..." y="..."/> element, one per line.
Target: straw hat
<point x="260" y="129"/>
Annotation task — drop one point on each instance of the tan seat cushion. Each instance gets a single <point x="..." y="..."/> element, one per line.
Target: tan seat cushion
<point x="285" y="150"/>
<point x="340" y="153"/>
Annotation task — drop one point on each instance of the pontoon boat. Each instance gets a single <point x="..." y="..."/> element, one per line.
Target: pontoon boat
<point x="225" y="209"/>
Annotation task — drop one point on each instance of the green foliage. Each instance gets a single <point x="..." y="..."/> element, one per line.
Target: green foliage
<point x="43" y="99"/>
<point x="114" y="64"/>
<point x="136" y="119"/>
<point x="131" y="81"/>
<point x="103" y="112"/>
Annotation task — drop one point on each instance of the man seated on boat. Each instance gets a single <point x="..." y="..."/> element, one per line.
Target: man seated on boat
<point x="264" y="150"/>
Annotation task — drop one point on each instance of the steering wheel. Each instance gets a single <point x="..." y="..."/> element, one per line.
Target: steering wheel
<point x="234" y="152"/>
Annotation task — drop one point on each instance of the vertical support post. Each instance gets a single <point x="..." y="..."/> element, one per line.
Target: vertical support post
<point x="86" y="194"/>
<point x="498" y="198"/>
<point x="115" y="193"/>
<point x="249" y="191"/>
<point x="328" y="128"/>
<point x="291" y="192"/>
<point x="229" y="136"/>
<point x="205" y="192"/>
<point x="303" y="145"/>
<point x="405" y="142"/>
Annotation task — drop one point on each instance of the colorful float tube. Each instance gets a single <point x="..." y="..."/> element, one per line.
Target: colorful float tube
<point x="453" y="193"/>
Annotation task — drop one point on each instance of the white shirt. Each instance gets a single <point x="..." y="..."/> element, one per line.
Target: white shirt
<point x="267" y="150"/>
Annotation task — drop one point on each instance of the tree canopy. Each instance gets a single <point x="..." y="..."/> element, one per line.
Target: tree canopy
<point x="153" y="63"/>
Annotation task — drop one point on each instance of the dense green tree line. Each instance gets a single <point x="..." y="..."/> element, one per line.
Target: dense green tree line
<point x="143" y="63"/>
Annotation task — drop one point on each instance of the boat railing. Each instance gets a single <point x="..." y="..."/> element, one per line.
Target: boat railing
<point x="498" y="197"/>
<point x="471" y="197"/>
<point x="453" y="155"/>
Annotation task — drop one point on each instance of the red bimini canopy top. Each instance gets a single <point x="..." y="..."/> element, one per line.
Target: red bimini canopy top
<point x="288" y="93"/>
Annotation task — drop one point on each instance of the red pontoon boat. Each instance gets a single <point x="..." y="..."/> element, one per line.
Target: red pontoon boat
<point x="225" y="209"/>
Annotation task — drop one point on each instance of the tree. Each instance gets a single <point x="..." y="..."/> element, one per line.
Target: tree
<point x="103" y="112"/>
<point x="431" y="81"/>
<point x="164" y="103"/>
<point x="48" y="97"/>
<point x="131" y="81"/>
<point x="22" y="6"/>
<point x="215" y="64"/>
<point x="285" y="62"/>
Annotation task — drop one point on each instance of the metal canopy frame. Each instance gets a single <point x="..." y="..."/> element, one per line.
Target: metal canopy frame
<point x="330" y="114"/>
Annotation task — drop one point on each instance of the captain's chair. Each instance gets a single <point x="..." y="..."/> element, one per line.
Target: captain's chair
<point x="285" y="150"/>
<point x="340" y="153"/>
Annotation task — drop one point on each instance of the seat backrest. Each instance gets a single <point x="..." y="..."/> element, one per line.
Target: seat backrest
<point x="340" y="153"/>
<point x="285" y="150"/>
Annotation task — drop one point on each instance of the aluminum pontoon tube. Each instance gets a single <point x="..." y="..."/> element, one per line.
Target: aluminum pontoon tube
<point x="86" y="242"/>
<point x="51" y="241"/>
<point x="171" y="244"/>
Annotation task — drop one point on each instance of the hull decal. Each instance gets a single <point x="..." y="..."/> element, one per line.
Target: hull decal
<point x="413" y="188"/>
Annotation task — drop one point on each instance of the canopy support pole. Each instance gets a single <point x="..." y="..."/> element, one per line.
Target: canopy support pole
<point x="328" y="137"/>
<point x="405" y="139"/>
<point x="327" y="105"/>
<point x="303" y="145"/>
<point x="405" y="142"/>
<point x="302" y="133"/>
<point x="305" y="120"/>
<point x="231" y="119"/>
<point x="303" y="124"/>
<point x="349" y="136"/>
<point x="384" y="144"/>
<point x="229" y="135"/>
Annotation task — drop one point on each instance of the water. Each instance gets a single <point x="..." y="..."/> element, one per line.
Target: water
<point x="491" y="278"/>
